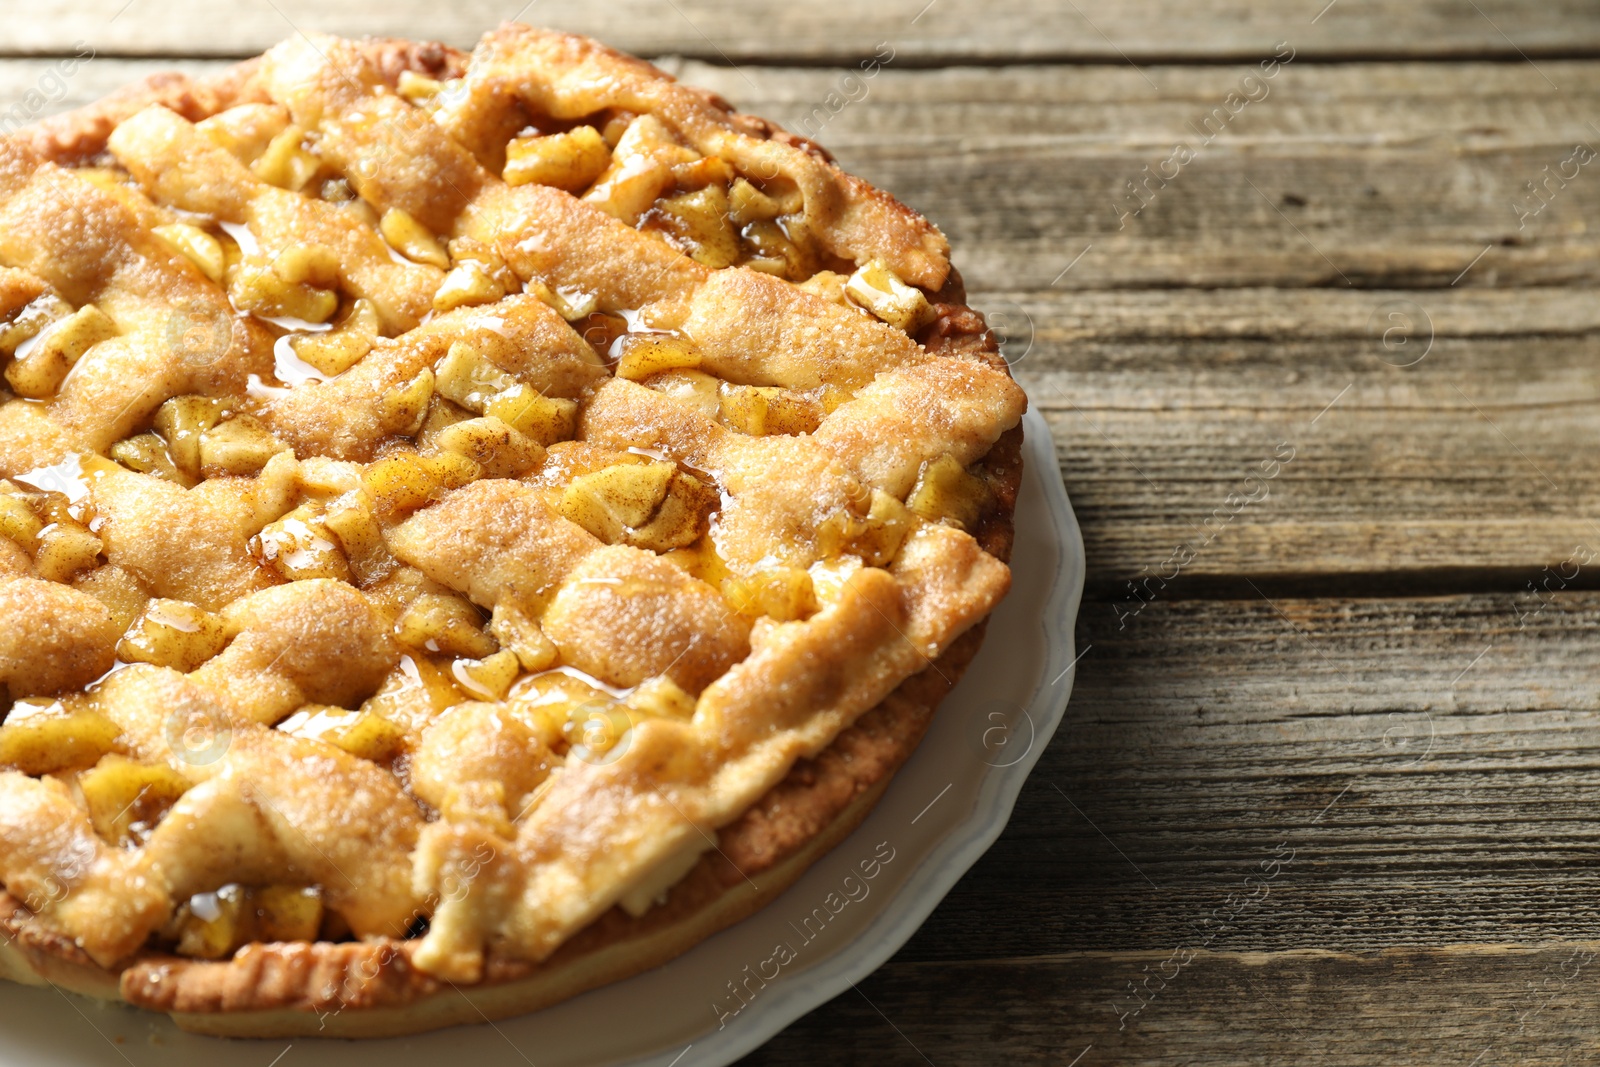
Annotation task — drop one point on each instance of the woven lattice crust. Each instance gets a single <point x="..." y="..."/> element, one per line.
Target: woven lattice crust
<point x="508" y="365"/>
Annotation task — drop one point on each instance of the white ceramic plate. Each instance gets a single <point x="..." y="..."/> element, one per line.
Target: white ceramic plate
<point x="836" y="925"/>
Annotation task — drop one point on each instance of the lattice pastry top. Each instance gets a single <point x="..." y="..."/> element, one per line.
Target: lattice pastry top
<point x="436" y="503"/>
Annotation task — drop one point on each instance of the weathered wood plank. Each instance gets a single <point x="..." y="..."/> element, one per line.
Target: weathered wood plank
<point x="1406" y="785"/>
<point x="1056" y="320"/>
<point x="1351" y="104"/>
<point x="1472" y="1006"/>
<point x="1272" y="434"/>
<point x="1429" y="762"/>
<point x="940" y="31"/>
<point x="1285" y="216"/>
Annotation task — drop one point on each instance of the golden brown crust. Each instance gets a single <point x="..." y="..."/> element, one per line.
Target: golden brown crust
<point x="369" y="988"/>
<point x="81" y="134"/>
<point x="354" y="990"/>
<point x="31" y="953"/>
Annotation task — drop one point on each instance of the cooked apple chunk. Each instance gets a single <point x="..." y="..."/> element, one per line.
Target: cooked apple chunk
<point x="173" y="633"/>
<point x="213" y="926"/>
<point x="127" y="798"/>
<point x="647" y="505"/>
<point x="42" y="738"/>
<point x="570" y="160"/>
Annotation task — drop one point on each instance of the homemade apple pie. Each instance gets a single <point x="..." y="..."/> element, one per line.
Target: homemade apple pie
<point x="469" y="524"/>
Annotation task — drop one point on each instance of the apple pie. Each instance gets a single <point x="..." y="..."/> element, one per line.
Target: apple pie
<point x="471" y="527"/>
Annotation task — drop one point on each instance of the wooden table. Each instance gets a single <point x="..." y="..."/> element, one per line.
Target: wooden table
<point x="1327" y="401"/>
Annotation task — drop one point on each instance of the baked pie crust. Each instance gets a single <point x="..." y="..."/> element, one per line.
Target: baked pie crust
<point x="473" y="526"/>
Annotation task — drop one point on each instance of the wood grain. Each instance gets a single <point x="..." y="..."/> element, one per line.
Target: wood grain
<point x="1168" y="409"/>
<point x="1414" y="820"/>
<point x="1473" y="1006"/>
<point x="1428" y="761"/>
<point x="939" y="31"/>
